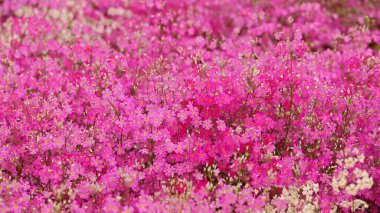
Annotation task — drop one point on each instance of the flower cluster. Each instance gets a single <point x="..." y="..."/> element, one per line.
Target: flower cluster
<point x="189" y="106"/>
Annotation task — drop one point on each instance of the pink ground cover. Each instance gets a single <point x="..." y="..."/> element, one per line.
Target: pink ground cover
<point x="189" y="106"/>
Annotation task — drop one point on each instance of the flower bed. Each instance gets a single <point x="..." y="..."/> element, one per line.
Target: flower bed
<point x="189" y="106"/>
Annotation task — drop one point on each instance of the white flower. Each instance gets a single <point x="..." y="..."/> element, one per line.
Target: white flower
<point x="307" y="192"/>
<point x="334" y="184"/>
<point x="342" y="182"/>
<point x="339" y="162"/>
<point x="368" y="182"/>
<point x="361" y="158"/>
<point x="345" y="204"/>
<point x="356" y="151"/>
<point x="350" y="162"/>
<point x="315" y="187"/>
<point x="365" y="174"/>
<point x="309" y="208"/>
<point x="358" y="172"/>
<point x="360" y="184"/>
<point x="365" y="182"/>
<point x="359" y="204"/>
<point x="112" y="11"/>
<point x="352" y="189"/>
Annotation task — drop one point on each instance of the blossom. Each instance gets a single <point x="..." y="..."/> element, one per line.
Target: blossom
<point x="221" y="125"/>
<point x="280" y="204"/>
<point x="207" y="124"/>
<point x="258" y="205"/>
<point x="351" y="189"/>
<point x="189" y="106"/>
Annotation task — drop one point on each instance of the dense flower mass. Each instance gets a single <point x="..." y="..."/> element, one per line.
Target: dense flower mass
<point x="189" y="106"/>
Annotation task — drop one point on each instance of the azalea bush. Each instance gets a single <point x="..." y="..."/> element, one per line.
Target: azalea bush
<point x="189" y="106"/>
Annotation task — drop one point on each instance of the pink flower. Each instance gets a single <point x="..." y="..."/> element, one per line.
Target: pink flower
<point x="280" y="204"/>
<point x="189" y="106"/>
<point x="182" y="115"/>
<point x="207" y="124"/>
<point x="220" y="125"/>
<point x="258" y="205"/>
